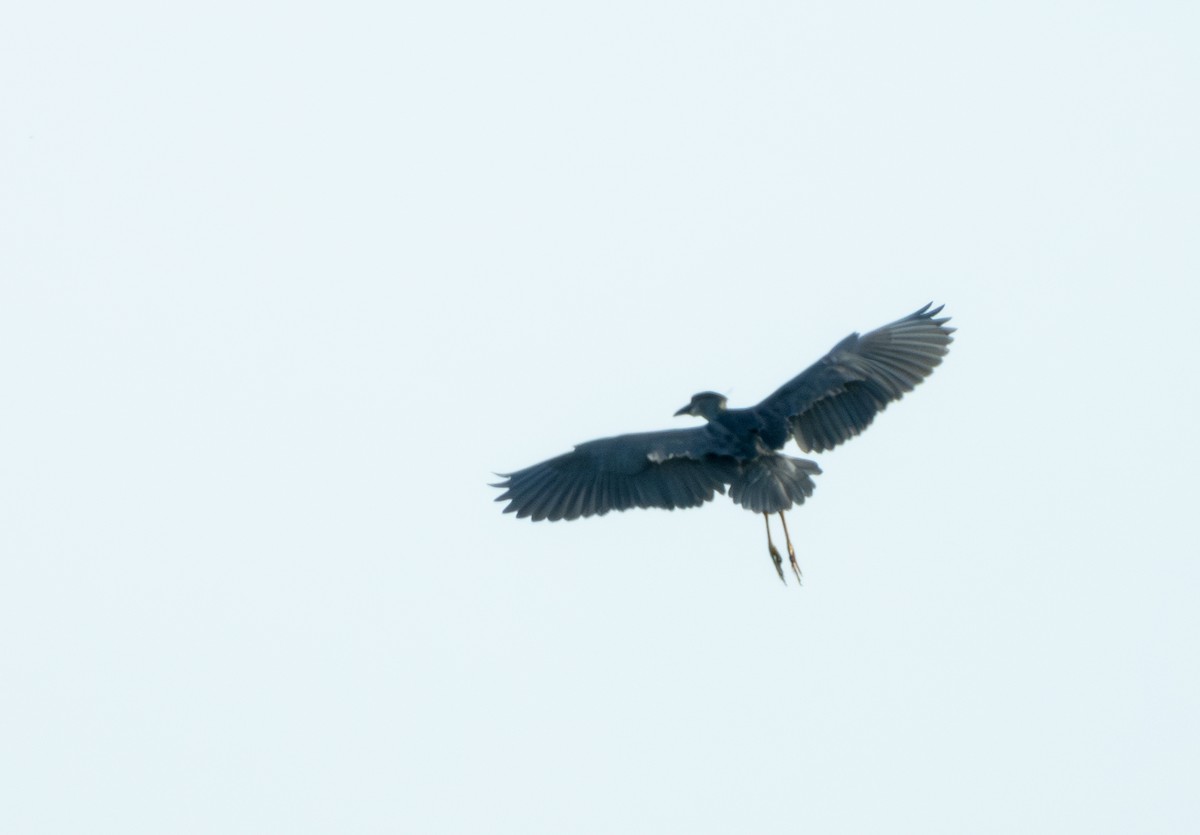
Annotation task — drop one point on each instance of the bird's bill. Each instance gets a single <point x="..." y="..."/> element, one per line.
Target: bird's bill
<point x="686" y="410"/>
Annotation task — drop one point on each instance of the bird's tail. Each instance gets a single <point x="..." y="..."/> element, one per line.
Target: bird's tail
<point x="771" y="483"/>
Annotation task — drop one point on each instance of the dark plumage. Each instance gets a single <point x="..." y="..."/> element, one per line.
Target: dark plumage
<point x="833" y="400"/>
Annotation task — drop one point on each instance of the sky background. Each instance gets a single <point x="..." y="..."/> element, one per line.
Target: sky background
<point x="284" y="284"/>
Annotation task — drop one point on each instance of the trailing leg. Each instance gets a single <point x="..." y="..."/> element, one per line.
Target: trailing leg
<point x="775" y="557"/>
<point x="791" y="550"/>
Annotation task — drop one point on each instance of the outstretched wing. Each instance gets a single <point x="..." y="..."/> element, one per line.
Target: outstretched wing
<point x="669" y="469"/>
<point x="837" y="397"/>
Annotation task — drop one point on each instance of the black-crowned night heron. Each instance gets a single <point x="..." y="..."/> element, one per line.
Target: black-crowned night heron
<point x="831" y="401"/>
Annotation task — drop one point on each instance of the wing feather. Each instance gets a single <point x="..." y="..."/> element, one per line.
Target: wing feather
<point x="672" y="469"/>
<point x="839" y="396"/>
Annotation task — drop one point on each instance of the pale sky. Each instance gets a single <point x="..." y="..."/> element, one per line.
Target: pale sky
<point x="283" y="285"/>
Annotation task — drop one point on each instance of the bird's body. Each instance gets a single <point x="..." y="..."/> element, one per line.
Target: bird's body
<point x="834" y="399"/>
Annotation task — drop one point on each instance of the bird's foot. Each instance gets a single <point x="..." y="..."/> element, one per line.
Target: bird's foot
<point x="795" y="565"/>
<point x="778" y="558"/>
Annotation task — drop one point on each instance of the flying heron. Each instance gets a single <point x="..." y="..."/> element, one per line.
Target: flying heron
<point x="833" y="400"/>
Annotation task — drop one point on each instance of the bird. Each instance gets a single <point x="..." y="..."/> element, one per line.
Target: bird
<point x="831" y="401"/>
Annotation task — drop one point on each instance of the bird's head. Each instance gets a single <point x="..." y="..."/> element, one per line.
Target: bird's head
<point x="706" y="404"/>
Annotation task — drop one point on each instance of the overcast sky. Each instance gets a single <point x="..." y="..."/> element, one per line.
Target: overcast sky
<point x="282" y="285"/>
